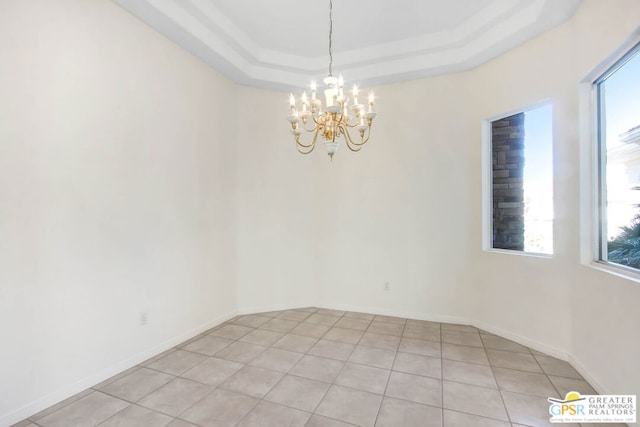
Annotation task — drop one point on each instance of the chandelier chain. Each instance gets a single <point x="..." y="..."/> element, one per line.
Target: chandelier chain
<point x="330" y="37"/>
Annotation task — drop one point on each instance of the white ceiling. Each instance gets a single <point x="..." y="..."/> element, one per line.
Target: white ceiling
<point x="282" y="44"/>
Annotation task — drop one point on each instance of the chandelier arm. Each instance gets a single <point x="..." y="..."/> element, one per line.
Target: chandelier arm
<point x="313" y="146"/>
<point x="313" y="129"/>
<point x="349" y="140"/>
<point x="313" y="143"/>
<point x="350" y="147"/>
<point x="357" y="144"/>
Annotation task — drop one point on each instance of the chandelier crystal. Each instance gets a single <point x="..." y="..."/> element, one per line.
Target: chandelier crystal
<point x="332" y="119"/>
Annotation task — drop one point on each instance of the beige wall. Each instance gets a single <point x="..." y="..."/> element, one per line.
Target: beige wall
<point x="117" y="195"/>
<point x="134" y="178"/>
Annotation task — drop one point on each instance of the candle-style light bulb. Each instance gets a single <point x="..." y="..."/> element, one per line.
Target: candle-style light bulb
<point x="355" y="94"/>
<point x="371" y="98"/>
<point x="340" y="81"/>
<point x="292" y="102"/>
<point x="304" y="101"/>
<point x="313" y="89"/>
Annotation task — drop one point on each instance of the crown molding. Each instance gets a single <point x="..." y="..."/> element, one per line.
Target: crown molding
<point x="203" y="29"/>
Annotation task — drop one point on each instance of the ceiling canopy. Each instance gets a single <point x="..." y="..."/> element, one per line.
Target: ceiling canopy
<point x="282" y="44"/>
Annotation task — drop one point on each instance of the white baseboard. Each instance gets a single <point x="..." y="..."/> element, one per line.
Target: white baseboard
<point x="44" y="402"/>
<point x="595" y="383"/>
<point x="274" y="307"/>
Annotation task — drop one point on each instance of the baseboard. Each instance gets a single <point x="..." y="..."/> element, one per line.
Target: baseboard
<point x="274" y="307"/>
<point x="397" y="313"/>
<point x="596" y="384"/>
<point x="38" y="405"/>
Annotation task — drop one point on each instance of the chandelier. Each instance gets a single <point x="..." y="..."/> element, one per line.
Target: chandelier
<point x="332" y="120"/>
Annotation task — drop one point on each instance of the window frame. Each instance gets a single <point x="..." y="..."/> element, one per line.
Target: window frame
<point x="593" y="178"/>
<point x="487" y="180"/>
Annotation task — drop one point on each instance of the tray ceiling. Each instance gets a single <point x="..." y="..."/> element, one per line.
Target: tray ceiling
<point x="282" y="44"/>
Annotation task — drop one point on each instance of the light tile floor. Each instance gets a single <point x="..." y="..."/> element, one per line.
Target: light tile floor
<point x="319" y="368"/>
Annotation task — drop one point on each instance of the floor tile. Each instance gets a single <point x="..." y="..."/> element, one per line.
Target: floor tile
<point x="462" y="338"/>
<point x="415" y="388"/>
<point x="332" y="350"/>
<point x="459" y="419"/>
<point x="379" y="327"/>
<point x="425" y="334"/>
<point x="219" y="408"/>
<point x="468" y="373"/>
<point x="307" y="309"/>
<point x="180" y="423"/>
<point x="464" y="354"/>
<point x="310" y="330"/>
<point x="319" y="421"/>
<point x="296" y="343"/>
<point x="252" y="381"/>
<point x="267" y="414"/>
<point x="277" y="360"/>
<point x="498" y="343"/>
<point x="458" y="328"/>
<point x="317" y="368"/>
<point x="424" y="348"/>
<point x="390" y="319"/>
<point x="394" y="413"/>
<point x="511" y="360"/>
<point x="262" y="337"/>
<point x="357" y="315"/>
<point x="349" y="336"/>
<point x="322" y="319"/>
<point x="473" y="400"/>
<point x="242" y="352"/>
<point x="135" y="386"/>
<point x="280" y="325"/>
<point x="75" y="397"/>
<point x="419" y="365"/>
<point x="213" y="371"/>
<point x="352" y="406"/>
<point x="165" y="353"/>
<point x="330" y="312"/>
<point x="88" y="411"/>
<point x="564" y="385"/>
<point x="232" y="332"/>
<point x="378" y="357"/>
<point x="177" y="362"/>
<point x="387" y="342"/>
<point x="353" y="323"/>
<point x="136" y="416"/>
<point x="361" y="377"/>
<point x="552" y="366"/>
<point x="423" y="324"/>
<point x="173" y="398"/>
<point x="252" y="320"/>
<point x="269" y="314"/>
<point x="24" y="423"/>
<point x="297" y="392"/>
<point x="524" y="382"/>
<point x="295" y="315"/>
<point x="208" y="345"/>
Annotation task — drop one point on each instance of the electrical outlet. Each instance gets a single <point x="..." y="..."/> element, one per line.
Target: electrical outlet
<point x="143" y="318"/>
<point x="387" y="287"/>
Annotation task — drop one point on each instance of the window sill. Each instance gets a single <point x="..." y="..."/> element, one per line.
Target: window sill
<point x="617" y="270"/>
<point x="520" y="253"/>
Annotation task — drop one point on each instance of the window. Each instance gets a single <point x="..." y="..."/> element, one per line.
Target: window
<point x="618" y="118"/>
<point x="521" y="182"/>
